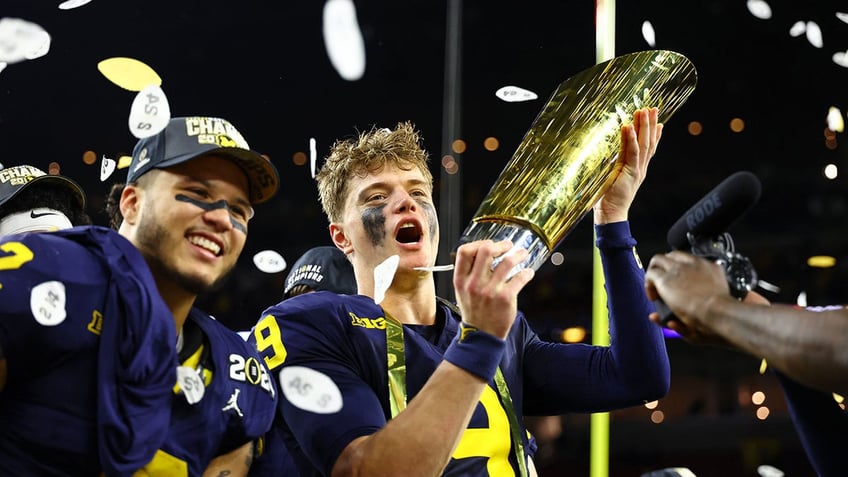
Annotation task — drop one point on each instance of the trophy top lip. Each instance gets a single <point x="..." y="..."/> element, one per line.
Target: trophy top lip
<point x="504" y="221"/>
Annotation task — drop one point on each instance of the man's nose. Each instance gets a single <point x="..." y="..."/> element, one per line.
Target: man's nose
<point x="406" y="203"/>
<point x="220" y="217"/>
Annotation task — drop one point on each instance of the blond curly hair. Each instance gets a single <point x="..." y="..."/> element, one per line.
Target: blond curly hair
<point x="369" y="153"/>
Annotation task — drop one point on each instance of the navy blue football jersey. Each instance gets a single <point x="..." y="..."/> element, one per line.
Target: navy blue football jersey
<point x="236" y="405"/>
<point x="328" y="355"/>
<point x="60" y="293"/>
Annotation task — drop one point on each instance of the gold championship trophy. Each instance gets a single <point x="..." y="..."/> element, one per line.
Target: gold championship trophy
<point x="569" y="157"/>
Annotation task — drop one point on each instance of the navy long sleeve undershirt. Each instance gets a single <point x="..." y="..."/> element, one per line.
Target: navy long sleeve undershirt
<point x="634" y="369"/>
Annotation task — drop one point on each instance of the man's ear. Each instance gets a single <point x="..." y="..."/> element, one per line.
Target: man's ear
<point x="340" y="238"/>
<point x="131" y="203"/>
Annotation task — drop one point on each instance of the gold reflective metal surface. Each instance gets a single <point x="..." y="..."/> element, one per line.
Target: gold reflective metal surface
<point x="569" y="157"/>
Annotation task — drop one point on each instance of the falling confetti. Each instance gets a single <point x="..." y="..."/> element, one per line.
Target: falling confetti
<point x="814" y="34"/>
<point x="128" y="73"/>
<point x="769" y="471"/>
<point x="343" y="39"/>
<point x="313" y="155"/>
<point x="107" y="167"/>
<point x="149" y="113"/>
<point x="43" y="39"/>
<point x="124" y="162"/>
<point x="842" y="16"/>
<point x="71" y="4"/>
<point x="514" y="94"/>
<point x="760" y="9"/>
<point x="384" y="273"/>
<point x="22" y="40"/>
<point x="648" y="34"/>
<point x="269" y="261"/>
<point x="834" y="119"/>
<point x="798" y="29"/>
<point x="841" y="58"/>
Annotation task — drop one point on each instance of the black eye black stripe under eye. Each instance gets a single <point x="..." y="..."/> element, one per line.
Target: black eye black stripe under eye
<point x="207" y="206"/>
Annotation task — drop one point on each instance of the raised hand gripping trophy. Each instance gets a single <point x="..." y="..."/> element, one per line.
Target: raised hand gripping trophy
<point x="569" y="157"/>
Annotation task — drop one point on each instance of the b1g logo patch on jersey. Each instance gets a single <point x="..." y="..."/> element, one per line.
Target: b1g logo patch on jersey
<point x="374" y="323"/>
<point x="47" y="302"/>
<point x="251" y="371"/>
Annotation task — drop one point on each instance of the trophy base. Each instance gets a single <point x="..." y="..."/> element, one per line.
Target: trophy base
<point x="521" y="238"/>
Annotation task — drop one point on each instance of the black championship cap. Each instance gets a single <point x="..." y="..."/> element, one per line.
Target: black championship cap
<point x="17" y="178"/>
<point x="187" y="138"/>
<point x="322" y="268"/>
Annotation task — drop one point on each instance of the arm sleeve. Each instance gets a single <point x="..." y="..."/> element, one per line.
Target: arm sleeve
<point x="321" y="361"/>
<point x="821" y="426"/>
<point x="634" y="369"/>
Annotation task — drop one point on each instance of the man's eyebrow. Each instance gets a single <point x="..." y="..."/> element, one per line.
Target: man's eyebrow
<point x="414" y="182"/>
<point x="363" y="194"/>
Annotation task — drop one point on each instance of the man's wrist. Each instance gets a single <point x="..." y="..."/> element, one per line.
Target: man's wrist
<point x="476" y="351"/>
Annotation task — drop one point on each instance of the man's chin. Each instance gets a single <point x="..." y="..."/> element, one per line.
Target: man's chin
<point x="199" y="284"/>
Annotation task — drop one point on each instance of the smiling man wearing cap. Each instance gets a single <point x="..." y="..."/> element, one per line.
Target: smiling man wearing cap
<point x="33" y="201"/>
<point x="187" y="203"/>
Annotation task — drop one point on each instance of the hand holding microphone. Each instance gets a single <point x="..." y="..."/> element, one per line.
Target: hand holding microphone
<point x="702" y="231"/>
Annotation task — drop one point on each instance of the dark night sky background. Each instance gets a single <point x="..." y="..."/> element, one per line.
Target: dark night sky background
<point x="263" y="65"/>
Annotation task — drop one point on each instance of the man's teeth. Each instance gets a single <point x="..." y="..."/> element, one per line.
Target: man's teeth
<point x="205" y="243"/>
<point x="407" y="225"/>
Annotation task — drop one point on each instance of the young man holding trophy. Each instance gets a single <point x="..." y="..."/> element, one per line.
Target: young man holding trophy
<point x="395" y="381"/>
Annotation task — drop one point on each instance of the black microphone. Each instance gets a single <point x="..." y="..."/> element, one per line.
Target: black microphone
<point x="702" y="230"/>
<point x="717" y="210"/>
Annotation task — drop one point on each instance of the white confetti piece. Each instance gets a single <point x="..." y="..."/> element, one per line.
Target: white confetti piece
<point x="269" y="261"/>
<point x="798" y="29"/>
<point x="514" y="94"/>
<point x="44" y="46"/>
<point x="842" y="16"/>
<point x="313" y="155"/>
<point x="769" y="471"/>
<point x="760" y="9"/>
<point x="343" y="39"/>
<point x="20" y="40"/>
<point x="814" y="34"/>
<point x="648" y="34"/>
<point x="47" y="303"/>
<point x="107" y="167"/>
<point x="71" y="4"/>
<point x="384" y="273"/>
<point x="149" y="113"/>
<point x="310" y="390"/>
<point x="834" y="119"/>
<point x="841" y="58"/>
